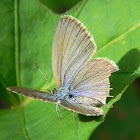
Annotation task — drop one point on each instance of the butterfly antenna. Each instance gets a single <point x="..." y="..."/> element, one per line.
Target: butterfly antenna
<point x="43" y="74"/>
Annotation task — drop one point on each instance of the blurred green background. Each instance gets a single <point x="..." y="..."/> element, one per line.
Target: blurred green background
<point x="123" y="121"/>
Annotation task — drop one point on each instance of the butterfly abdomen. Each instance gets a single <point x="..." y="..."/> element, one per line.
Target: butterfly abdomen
<point x="88" y="101"/>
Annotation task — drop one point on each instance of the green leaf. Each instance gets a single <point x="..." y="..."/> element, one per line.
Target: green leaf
<point x="27" y="29"/>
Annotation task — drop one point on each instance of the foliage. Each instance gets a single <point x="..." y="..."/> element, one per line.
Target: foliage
<point x="27" y="29"/>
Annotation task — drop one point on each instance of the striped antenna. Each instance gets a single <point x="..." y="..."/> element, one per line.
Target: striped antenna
<point x="43" y="74"/>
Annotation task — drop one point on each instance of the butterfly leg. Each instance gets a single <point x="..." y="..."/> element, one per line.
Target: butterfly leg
<point x="60" y="111"/>
<point x="73" y="115"/>
<point x="57" y="108"/>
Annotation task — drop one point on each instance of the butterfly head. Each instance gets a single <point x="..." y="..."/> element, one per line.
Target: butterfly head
<point x="62" y="93"/>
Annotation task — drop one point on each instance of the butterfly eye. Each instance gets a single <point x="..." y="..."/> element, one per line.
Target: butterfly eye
<point x="54" y="91"/>
<point x="70" y="96"/>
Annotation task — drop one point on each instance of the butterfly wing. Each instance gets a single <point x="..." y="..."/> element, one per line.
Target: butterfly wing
<point x="28" y="92"/>
<point x="72" y="47"/>
<point x="80" y="108"/>
<point x="93" y="79"/>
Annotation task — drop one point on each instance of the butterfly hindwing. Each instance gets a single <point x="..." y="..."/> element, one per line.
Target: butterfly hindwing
<point x="93" y="79"/>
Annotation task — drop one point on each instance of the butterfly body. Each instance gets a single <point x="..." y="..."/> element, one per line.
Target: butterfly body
<point x="83" y="83"/>
<point x="62" y="93"/>
<point x="66" y="95"/>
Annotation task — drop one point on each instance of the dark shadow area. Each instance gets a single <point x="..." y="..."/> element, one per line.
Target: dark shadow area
<point x="4" y="105"/>
<point x="7" y="98"/>
<point x="59" y="6"/>
<point x="137" y="85"/>
<point x="128" y="64"/>
<point x="84" y="118"/>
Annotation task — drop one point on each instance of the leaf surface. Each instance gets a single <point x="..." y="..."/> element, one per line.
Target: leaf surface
<point x="27" y="29"/>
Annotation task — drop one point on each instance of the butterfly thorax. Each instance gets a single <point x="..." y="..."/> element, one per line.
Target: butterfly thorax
<point x="62" y="93"/>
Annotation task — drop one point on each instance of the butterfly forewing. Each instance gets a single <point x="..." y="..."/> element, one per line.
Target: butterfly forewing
<point x="28" y="92"/>
<point x="72" y="47"/>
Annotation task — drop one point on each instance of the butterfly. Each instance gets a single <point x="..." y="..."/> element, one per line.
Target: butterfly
<point x="83" y="83"/>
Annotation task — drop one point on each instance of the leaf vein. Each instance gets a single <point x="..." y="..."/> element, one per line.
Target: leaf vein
<point x="119" y="37"/>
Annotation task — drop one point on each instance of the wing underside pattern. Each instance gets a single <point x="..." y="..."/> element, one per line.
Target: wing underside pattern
<point x="93" y="79"/>
<point x="72" y="47"/>
<point x="37" y="94"/>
